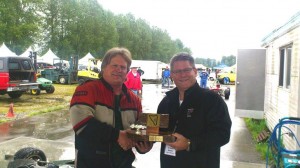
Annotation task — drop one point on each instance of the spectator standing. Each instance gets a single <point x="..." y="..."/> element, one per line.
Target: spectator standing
<point x="198" y="117"/>
<point x="203" y="79"/>
<point x="133" y="81"/>
<point x="208" y="70"/>
<point x="140" y="71"/>
<point x="166" y="77"/>
<point x="101" y="110"/>
<point x="217" y="71"/>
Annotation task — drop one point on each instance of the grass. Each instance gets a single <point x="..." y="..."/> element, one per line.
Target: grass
<point x="29" y="105"/>
<point x="256" y="127"/>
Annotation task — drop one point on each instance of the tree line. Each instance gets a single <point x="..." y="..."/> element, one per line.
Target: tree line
<point x="210" y="63"/>
<point x="76" y="27"/>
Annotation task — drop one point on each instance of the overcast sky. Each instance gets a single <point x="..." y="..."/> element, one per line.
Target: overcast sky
<point x="211" y="28"/>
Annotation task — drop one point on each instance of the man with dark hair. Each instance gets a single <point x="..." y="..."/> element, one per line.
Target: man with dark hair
<point x="199" y="119"/>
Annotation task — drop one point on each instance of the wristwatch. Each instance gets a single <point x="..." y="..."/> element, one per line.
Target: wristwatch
<point x="189" y="145"/>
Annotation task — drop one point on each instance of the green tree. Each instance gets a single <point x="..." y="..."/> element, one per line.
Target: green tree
<point x="143" y="40"/>
<point x="76" y="27"/>
<point x="229" y="60"/>
<point x="51" y="16"/>
<point x="19" y="23"/>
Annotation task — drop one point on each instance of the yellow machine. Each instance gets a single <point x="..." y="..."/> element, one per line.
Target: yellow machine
<point x="89" y="71"/>
<point x="228" y="73"/>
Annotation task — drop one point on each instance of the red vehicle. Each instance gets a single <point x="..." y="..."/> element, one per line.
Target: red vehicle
<point x="222" y="91"/>
<point x="17" y="75"/>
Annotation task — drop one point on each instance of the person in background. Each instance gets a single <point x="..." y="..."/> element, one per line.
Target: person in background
<point x="165" y="77"/>
<point x="208" y="71"/>
<point x="140" y="71"/>
<point x="133" y="81"/>
<point x="217" y="71"/>
<point x="198" y="118"/>
<point x="101" y="110"/>
<point x="203" y="79"/>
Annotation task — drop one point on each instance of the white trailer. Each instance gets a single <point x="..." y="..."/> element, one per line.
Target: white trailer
<point x="152" y="69"/>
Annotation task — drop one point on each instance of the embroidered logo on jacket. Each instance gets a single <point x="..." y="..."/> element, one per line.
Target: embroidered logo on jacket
<point x="80" y="93"/>
<point x="189" y="113"/>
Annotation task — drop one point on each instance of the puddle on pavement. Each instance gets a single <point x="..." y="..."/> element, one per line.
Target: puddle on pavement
<point x="41" y="127"/>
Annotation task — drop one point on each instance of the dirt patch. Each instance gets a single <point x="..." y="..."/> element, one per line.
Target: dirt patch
<point x="29" y="104"/>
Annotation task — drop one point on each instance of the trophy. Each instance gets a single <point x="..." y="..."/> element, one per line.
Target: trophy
<point x="147" y="128"/>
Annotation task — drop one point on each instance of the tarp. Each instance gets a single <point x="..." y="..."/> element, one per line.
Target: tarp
<point x="85" y="60"/>
<point x="49" y="57"/>
<point x="221" y="66"/>
<point x="4" y="51"/>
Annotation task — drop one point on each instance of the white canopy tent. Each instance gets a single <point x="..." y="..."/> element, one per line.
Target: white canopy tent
<point x="4" y="51"/>
<point x="85" y="60"/>
<point x="27" y="53"/>
<point x="49" y="57"/>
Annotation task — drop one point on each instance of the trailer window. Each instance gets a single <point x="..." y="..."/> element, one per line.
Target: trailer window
<point x="285" y="66"/>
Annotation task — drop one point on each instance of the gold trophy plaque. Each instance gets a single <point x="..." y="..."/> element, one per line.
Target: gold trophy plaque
<point x="147" y="128"/>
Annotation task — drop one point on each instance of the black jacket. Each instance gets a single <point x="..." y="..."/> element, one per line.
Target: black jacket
<point x="204" y="119"/>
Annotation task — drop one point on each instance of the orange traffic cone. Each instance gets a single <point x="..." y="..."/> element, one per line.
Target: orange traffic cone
<point x="10" y="113"/>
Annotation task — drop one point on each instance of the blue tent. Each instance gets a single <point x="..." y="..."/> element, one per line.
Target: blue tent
<point x="221" y="66"/>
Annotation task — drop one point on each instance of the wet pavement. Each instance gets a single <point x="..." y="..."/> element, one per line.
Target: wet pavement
<point x="53" y="134"/>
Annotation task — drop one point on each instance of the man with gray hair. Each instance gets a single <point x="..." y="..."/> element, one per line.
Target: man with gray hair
<point x="101" y="110"/>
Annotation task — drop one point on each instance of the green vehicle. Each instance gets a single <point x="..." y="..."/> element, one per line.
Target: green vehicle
<point x="44" y="84"/>
<point x="63" y="72"/>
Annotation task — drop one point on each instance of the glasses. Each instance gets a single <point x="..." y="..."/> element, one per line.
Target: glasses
<point x="179" y="71"/>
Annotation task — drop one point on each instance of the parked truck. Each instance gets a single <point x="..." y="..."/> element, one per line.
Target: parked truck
<point x="62" y="72"/>
<point x="17" y="76"/>
<point x="152" y="69"/>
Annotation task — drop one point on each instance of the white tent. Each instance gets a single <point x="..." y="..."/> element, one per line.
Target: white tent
<point x="85" y="60"/>
<point x="4" y="51"/>
<point x="200" y="66"/>
<point x="49" y="57"/>
<point x="27" y="52"/>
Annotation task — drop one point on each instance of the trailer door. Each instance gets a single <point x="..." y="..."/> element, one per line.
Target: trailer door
<point x="250" y="83"/>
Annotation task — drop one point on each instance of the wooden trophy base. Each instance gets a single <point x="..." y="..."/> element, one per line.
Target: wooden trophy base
<point x="142" y="135"/>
